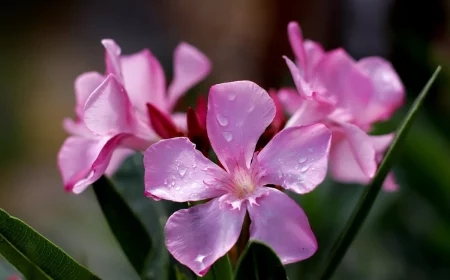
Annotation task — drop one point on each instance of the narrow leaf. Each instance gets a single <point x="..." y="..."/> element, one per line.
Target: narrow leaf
<point x="259" y="262"/>
<point x="34" y="255"/>
<point x="220" y="270"/>
<point x="125" y="225"/>
<point x="367" y="199"/>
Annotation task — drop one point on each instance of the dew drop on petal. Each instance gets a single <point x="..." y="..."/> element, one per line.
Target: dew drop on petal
<point x="280" y="174"/>
<point x="173" y="183"/>
<point x="223" y="121"/>
<point x="310" y="150"/>
<point x="304" y="168"/>
<point x="165" y="181"/>
<point x="177" y="188"/>
<point x="302" y="159"/>
<point x="252" y="107"/>
<point x="182" y="171"/>
<point x="231" y="97"/>
<point x="228" y="136"/>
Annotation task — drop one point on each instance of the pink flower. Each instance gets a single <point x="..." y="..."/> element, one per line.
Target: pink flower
<point x="111" y="111"/>
<point x="296" y="159"/>
<point x="347" y="95"/>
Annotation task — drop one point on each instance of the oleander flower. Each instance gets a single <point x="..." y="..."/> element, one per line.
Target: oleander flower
<point x="295" y="159"/>
<point x="349" y="96"/>
<point x="112" y="111"/>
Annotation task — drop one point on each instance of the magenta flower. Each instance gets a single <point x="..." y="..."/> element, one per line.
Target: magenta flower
<point x="347" y="95"/>
<point x="111" y="111"/>
<point x="296" y="159"/>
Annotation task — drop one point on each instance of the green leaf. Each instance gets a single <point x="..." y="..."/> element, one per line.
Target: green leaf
<point x="259" y="262"/>
<point x="34" y="255"/>
<point x="123" y="222"/>
<point x="220" y="270"/>
<point x="368" y="198"/>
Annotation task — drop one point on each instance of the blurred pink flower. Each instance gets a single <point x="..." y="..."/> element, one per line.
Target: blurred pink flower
<point x="296" y="159"/>
<point x="348" y="96"/>
<point x="111" y="111"/>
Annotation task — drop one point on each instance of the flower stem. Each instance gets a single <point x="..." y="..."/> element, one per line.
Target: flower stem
<point x="368" y="197"/>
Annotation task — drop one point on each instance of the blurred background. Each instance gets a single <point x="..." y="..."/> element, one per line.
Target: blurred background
<point x="44" y="45"/>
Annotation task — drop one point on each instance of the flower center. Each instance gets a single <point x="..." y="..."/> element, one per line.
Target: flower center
<point x="244" y="182"/>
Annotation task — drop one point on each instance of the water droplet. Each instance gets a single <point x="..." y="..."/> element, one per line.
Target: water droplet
<point x="173" y="183"/>
<point x="304" y="168"/>
<point x="228" y="136"/>
<point x="302" y="159"/>
<point x="182" y="171"/>
<point x="182" y="192"/>
<point x="223" y="121"/>
<point x="165" y="181"/>
<point x="231" y="97"/>
<point x="194" y="165"/>
<point x="252" y="107"/>
<point x="177" y="188"/>
<point x="310" y="150"/>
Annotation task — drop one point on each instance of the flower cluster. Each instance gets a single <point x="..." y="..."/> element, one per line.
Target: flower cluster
<point x="260" y="153"/>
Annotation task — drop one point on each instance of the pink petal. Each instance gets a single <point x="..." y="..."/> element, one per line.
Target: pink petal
<point x="313" y="110"/>
<point x="112" y="59"/>
<point x="297" y="157"/>
<point x="361" y="148"/>
<point x="345" y="168"/>
<point x="280" y="222"/>
<point x="180" y="120"/>
<point x="296" y="40"/>
<point x="200" y="235"/>
<point x="144" y="80"/>
<point x="82" y="161"/>
<point x="108" y="110"/>
<point x="290" y="99"/>
<point x="303" y="87"/>
<point x="238" y="113"/>
<point x="389" y="93"/>
<point x="314" y="53"/>
<point x="175" y="170"/>
<point x="85" y="84"/>
<point x="118" y="157"/>
<point x="77" y="128"/>
<point x="339" y="73"/>
<point x="190" y="67"/>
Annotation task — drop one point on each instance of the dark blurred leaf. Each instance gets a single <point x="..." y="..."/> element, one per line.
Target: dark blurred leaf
<point x="125" y="225"/>
<point x="367" y="199"/>
<point x="129" y="181"/>
<point x="259" y="262"/>
<point x="34" y="255"/>
<point x="220" y="270"/>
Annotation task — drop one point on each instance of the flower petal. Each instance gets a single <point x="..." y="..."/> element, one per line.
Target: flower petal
<point x="279" y="222"/>
<point x="311" y="111"/>
<point x="108" y="109"/>
<point x="296" y="40"/>
<point x="303" y="87"/>
<point x="175" y="170"/>
<point x="82" y="161"/>
<point x="118" y="157"/>
<point x="85" y="84"/>
<point x="238" y="113"/>
<point x="297" y="158"/>
<point x="144" y="80"/>
<point x="339" y="73"/>
<point x="361" y="147"/>
<point x="314" y="52"/>
<point x="290" y="99"/>
<point x="77" y="128"/>
<point x="112" y="58"/>
<point x="389" y="92"/>
<point x="345" y="167"/>
<point x="190" y="67"/>
<point x="200" y="235"/>
<point x="180" y="120"/>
